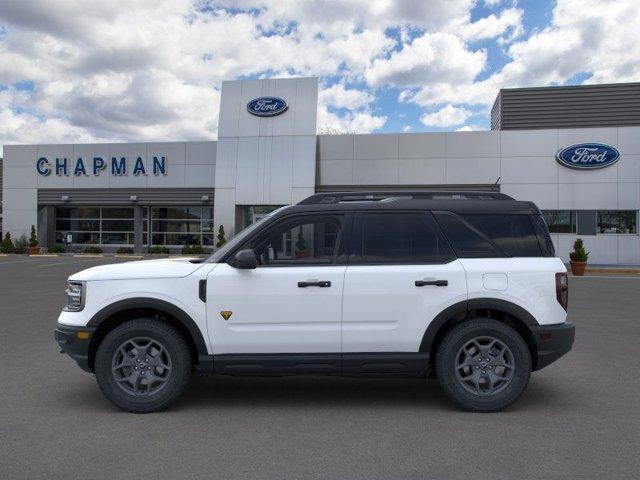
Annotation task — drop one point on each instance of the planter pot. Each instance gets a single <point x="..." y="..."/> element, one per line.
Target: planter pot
<point x="301" y="253"/>
<point x="33" y="250"/>
<point x="578" y="268"/>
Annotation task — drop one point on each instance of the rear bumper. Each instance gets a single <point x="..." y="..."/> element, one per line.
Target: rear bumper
<point x="74" y="345"/>
<point x="552" y="342"/>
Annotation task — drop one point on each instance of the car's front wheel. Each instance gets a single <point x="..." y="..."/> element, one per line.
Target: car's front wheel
<point x="143" y="365"/>
<point x="483" y="365"/>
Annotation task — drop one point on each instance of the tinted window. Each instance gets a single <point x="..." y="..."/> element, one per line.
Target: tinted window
<point x="617" y="221"/>
<point x="399" y="238"/>
<point x="560" y="221"/>
<point x="465" y="240"/>
<point x="303" y="240"/>
<point x="512" y="233"/>
<point x="544" y="239"/>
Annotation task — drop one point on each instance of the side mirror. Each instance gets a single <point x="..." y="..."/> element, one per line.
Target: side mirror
<point x="246" y="259"/>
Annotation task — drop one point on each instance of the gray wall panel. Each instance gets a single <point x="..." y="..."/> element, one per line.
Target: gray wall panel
<point x="567" y="107"/>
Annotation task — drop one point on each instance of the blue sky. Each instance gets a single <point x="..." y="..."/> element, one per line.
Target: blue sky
<point x="77" y="71"/>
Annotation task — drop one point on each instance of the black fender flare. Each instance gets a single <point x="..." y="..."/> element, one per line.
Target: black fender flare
<point x="156" y="304"/>
<point x="464" y="307"/>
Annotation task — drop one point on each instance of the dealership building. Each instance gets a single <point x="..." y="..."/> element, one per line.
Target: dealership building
<point x="574" y="151"/>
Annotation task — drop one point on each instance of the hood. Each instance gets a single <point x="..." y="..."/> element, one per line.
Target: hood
<point x="152" y="269"/>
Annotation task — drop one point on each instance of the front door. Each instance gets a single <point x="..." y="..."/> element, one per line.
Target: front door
<point x="292" y="302"/>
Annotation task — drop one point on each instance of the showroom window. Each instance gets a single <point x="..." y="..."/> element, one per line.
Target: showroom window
<point x="618" y="222"/>
<point x="182" y="226"/>
<point x="95" y="225"/>
<point x="560" y="221"/>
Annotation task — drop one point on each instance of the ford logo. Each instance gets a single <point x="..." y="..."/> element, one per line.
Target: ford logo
<point x="267" y="106"/>
<point x="588" y="156"/>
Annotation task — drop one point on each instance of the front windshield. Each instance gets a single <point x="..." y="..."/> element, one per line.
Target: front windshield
<point x="239" y="237"/>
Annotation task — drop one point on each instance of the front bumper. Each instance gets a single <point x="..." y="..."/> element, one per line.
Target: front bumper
<point x="75" y="341"/>
<point x="552" y="342"/>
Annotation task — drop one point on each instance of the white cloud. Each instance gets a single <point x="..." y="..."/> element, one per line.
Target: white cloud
<point x="469" y="128"/>
<point x="340" y="97"/>
<point x="152" y="70"/>
<point x="407" y="128"/>
<point x="509" y="22"/>
<point x="447" y="116"/>
<point x="432" y="57"/>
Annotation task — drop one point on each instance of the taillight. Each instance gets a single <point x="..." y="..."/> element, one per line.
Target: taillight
<point x="562" y="290"/>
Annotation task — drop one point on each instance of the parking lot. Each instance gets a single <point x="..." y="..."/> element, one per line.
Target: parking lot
<point x="579" y="418"/>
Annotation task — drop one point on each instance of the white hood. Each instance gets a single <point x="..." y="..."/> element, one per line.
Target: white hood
<point x="152" y="269"/>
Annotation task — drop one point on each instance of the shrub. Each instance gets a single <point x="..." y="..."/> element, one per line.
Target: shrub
<point x="158" y="249"/>
<point x="125" y="250"/>
<point x="57" y="248"/>
<point x="20" y="245"/>
<point x="7" y="244"/>
<point x="221" y="238"/>
<point x="91" y="249"/>
<point x="33" y="238"/>
<point x="192" y="250"/>
<point x="579" y="254"/>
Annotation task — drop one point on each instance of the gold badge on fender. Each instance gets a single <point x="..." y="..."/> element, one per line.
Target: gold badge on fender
<point x="226" y="314"/>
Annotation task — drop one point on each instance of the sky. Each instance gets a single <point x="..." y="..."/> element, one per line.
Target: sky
<point x="77" y="71"/>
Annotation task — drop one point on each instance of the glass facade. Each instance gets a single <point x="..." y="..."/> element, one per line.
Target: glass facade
<point x="95" y="225"/>
<point x="560" y="221"/>
<point x="169" y="226"/>
<point x="182" y="226"/>
<point x="618" y="222"/>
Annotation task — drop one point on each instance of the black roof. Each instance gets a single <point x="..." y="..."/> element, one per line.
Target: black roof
<point x="457" y="202"/>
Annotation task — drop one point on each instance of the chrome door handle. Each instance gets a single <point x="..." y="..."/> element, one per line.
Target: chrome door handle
<point x="314" y="283"/>
<point x="437" y="283"/>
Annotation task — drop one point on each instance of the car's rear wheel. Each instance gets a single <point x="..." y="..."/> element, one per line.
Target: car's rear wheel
<point x="483" y="365"/>
<point x="143" y="365"/>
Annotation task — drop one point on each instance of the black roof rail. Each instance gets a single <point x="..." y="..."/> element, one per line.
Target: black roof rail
<point x="378" y="196"/>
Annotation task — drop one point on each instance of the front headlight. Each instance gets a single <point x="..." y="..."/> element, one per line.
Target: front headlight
<point x="75" y="296"/>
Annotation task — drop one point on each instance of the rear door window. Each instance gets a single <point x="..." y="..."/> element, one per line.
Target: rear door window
<point x="397" y="238"/>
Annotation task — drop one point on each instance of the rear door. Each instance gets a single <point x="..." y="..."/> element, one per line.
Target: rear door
<point x="401" y="274"/>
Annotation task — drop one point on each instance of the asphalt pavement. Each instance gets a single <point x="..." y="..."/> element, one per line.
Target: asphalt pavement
<point x="579" y="418"/>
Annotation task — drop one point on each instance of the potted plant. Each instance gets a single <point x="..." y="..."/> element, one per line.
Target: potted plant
<point x="301" y="246"/>
<point x="579" y="258"/>
<point x="221" y="238"/>
<point x="20" y="245"/>
<point x="7" y="244"/>
<point x="33" y="249"/>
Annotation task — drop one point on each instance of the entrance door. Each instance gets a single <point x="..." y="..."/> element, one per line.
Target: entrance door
<point x="291" y="303"/>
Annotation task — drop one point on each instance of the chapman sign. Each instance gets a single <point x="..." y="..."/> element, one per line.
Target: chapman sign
<point x="267" y="106"/>
<point x="118" y="166"/>
<point x="588" y="156"/>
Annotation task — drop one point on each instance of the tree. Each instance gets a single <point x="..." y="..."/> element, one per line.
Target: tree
<point x="221" y="239"/>
<point x="7" y="244"/>
<point x="33" y="238"/>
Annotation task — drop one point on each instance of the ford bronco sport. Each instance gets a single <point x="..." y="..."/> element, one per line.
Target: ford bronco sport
<point x="461" y="286"/>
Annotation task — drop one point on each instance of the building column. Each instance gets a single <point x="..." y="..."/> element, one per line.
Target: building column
<point x="138" y="216"/>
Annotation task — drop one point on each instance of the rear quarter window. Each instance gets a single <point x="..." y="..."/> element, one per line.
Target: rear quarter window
<point x="512" y="233"/>
<point x="490" y="235"/>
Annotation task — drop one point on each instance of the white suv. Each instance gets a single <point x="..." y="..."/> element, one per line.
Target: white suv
<point x="463" y="286"/>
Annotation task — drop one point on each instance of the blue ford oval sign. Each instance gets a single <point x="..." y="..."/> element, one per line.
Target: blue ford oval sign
<point x="267" y="106"/>
<point x="588" y="156"/>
